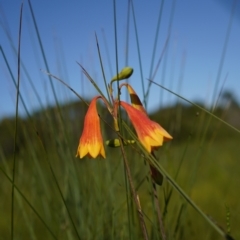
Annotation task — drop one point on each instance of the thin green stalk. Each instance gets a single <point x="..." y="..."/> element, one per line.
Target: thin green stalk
<point x="92" y="81"/>
<point x="24" y="70"/>
<point x="127" y="33"/>
<point x="69" y="154"/>
<point x="196" y="105"/>
<point x="174" y="184"/>
<point x="116" y="43"/>
<point x="156" y="69"/>
<point x="56" y="100"/>
<point x="16" y="124"/>
<point x="128" y="203"/>
<point x="182" y="207"/>
<point x="42" y="50"/>
<point x="107" y="53"/>
<point x="18" y="199"/>
<point x="65" y="84"/>
<point x="138" y="50"/>
<point x="225" y="45"/>
<point x="28" y="203"/>
<point x="154" y="50"/>
<point x="22" y="66"/>
<point x="14" y="82"/>
<point x="224" y="50"/>
<point x="156" y="38"/>
<point x="60" y="191"/>
<point x="127" y="38"/>
<point x="119" y="116"/>
<point x="159" y="216"/>
<point x="134" y="194"/>
<point x="116" y="57"/>
<point x="167" y="47"/>
<point x="168" y="197"/>
<point x="188" y="199"/>
<point x="100" y="59"/>
<point x="38" y="173"/>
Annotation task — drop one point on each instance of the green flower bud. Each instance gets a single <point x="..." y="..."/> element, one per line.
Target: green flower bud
<point x="124" y="74"/>
<point x="116" y="143"/>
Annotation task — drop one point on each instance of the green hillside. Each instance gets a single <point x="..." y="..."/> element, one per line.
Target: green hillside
<point x="91" y="198"/>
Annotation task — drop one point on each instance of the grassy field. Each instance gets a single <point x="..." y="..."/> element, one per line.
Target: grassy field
<point x="95" y="192"/>
<point x="48" y="193"/>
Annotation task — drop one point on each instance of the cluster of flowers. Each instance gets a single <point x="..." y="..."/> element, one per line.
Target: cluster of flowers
<point x="150" y="134"/>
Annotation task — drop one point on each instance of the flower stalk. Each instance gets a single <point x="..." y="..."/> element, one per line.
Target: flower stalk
<point x="150" y="134"/>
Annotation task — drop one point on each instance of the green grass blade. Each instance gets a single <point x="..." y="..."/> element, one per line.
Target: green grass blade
<point x="222" y="59"/>
<point x="138" y="51"/>
<point x="196" y="105"/>
<point x="16" y="124"/>
<point x="42" y="50"/>
<point x="103" y="73"/>
<point x="29" y="204"/>
<point x="175" y="185"/>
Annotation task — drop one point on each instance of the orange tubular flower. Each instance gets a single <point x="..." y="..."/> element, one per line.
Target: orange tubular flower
<point x="150" y="133"/>
<point x="91" y="142"/>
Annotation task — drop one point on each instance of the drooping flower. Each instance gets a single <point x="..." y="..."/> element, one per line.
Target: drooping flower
<point x="150" y="133"/>
<point x="137" y="104"/>
<point x="91" y="142"/>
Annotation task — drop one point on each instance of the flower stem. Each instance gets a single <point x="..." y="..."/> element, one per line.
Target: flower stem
<point x="157" y="205"/>
<point x="134" y="193"/>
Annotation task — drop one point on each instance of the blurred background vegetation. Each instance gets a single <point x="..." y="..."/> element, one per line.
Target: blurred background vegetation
<point x="59" y="196"/>
<point x="202" y="157"/>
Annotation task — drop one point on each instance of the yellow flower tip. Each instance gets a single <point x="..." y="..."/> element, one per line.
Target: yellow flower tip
<point x="164" y="133"/>
<point x="96" y="149"/>
<point x="152" y="142"/>
<point x="91" y="142"/>
<point x="91" y="150"/>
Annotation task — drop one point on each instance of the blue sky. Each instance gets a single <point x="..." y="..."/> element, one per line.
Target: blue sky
<point x="67" y="29"/>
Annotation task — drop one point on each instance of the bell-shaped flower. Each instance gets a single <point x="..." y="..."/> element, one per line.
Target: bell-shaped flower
<point x="91" y="142"/>
<point x="150" y="133"/>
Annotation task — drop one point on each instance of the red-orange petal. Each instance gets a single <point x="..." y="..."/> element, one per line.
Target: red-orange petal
<point x="91" y="142"/>
<point x="150" y="133"/>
